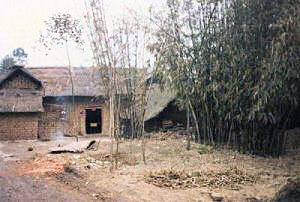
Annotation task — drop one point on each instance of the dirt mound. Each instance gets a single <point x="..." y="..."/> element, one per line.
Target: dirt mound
<point x="174" y="179"/>
<point x="289" y="192"/>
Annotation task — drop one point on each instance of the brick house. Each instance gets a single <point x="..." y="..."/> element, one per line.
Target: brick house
<point x="38" y="103"/>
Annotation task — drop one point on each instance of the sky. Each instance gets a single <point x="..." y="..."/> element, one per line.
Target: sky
<point x="22" y="22"/>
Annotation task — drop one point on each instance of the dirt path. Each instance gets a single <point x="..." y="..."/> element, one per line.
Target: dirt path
<point x="27" y="188"/>
<point x="34" y="175"/>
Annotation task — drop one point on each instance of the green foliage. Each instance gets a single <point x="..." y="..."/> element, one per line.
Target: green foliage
<point x="18" y="56"/>
<point x="7" y="62"/>
<point x="237" y="64"/>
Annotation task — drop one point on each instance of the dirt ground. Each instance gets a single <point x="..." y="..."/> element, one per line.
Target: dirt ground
<point x="171" y="173"/>
<point x="17" y="185"/>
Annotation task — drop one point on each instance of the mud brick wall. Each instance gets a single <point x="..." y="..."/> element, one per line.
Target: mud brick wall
<point x="77" y="116"/>
<point x="19" y="126"/>
<point x="50" y="126"/>
<point x="73" y="123"/>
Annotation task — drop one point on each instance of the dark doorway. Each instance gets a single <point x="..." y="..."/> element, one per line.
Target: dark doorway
<point x="93" y="121"/>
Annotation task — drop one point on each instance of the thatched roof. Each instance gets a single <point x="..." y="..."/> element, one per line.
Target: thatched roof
<point x="20" y="100"/>
<point x="157" y="101"/>
<point x="17" y="70"/>
<point x="57" y="81"/>
<point x="88" y="81"/>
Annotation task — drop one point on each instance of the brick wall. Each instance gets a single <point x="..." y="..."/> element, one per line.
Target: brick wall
<point x="77" y="118"/>
<point x="48" y="124"/>
<point x="18" y="126"/>
<point x="52" y="124"/>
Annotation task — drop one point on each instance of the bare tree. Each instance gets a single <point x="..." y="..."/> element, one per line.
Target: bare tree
<point x="63" y="29"/>
<point x="120" y="52"/>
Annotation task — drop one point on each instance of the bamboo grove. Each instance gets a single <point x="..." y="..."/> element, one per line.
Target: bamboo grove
<point x="235" y="67"/>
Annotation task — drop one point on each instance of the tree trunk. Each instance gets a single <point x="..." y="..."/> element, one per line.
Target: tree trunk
<point x="188" y="146"/>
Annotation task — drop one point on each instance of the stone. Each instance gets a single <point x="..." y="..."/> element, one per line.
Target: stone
<point x="216" y="197"/>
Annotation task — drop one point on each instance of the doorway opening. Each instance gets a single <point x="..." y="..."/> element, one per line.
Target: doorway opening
<point x="93" y="121"/>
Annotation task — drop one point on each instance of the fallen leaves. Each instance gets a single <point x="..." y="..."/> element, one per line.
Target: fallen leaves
<point x="163" y="136"/>
<point x="179" y="179"/>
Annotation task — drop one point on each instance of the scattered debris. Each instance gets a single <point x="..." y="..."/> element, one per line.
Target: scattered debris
<point x="253" y="199"/>
<point x="174" y="179"/>
<point x="122" y="158"/>
<point x="68" y="135"/>
<point x="92" y="145"/>
<point x="188" y="175"/>
<point x="75" y="147"/>
<point x="171" y="126"/>
<point x="71" y="170"/>
<point x="45" y="139"/>
<point x="3" y="155"/>
<point x="167" y="135"/>
<point x="69" y="178"/>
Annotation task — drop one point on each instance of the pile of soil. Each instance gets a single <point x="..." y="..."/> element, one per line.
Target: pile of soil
<point x="175" y="179"/>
